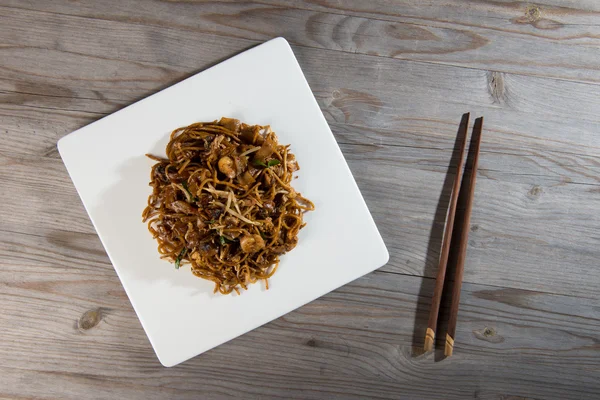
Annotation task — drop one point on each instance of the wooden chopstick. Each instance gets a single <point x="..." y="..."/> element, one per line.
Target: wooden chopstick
<point x="462" y="246"/>
<point x="441" y="274"/>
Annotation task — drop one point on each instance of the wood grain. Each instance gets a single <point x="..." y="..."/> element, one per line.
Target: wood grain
<point x="391" y="80"/>
<point x="542" y="39"/>
<point x="440" y="277"/>
<point x="560" y="116"/>
<point x="514" y="224"/>
<point x="347" y="357"/>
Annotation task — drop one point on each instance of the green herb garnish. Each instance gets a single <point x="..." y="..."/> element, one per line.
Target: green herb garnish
<point x="179" y="257"/>
<point x="270" y="163"/>
<point x="223" y="240"/>
<point x="185" y="186"/>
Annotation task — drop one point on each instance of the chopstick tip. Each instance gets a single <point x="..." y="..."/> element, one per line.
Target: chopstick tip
<point x="449" y="346"/>
<point x="429" y="339"/>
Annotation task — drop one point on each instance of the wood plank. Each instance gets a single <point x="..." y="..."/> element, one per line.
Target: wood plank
<point x="513" y="133"/>
<point x="515" y="224"/>
<point x="33" y="124"/>
<point x="426" y="144"/>
<point x="32" y="130"/>
<point x="355" y="342"/>
<point x="518" y="229"/>
<point x="509" y="156"/>
<point x="391" y="81"/>
<point x="541" y="39"/>
<point x="521" y="111"/>
<point x="38" y="191"/>
<point x="79" y="63"/>
<point x="497" y="35"/>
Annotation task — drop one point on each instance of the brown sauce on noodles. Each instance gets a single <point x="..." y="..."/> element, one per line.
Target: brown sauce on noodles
<point x="222" y="202"/>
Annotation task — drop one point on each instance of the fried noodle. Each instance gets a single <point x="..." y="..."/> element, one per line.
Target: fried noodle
<point x="222" y="202"/>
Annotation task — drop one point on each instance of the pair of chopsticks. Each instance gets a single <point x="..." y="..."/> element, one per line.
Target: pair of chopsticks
<point x="462" y="240"/>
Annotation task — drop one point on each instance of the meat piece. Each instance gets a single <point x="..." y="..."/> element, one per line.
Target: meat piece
<point x="214" y="150"/>
<point x="186" y="152"/>
<point x="159" y="173"/>
<point x="179" y="228"/>
<point x="278" y="249"/>
<point x="207" y="249"/>
<point x="176" y="177"/>
<point x="232" y="235"/>
<point x="214" y="213"/>
<point x="267" y="210"/>
<point x="246" y="179"/>
<point x="289" y="246"/>
<point x="193" y="236"/>
<point x="226" y="166"/>
<point x="252" y="243"/>
<point x="241" y="163"/>
<point x="173" y="175"/>
<point x="233" y="165"/>
<point x="204" y="200"/>
<point x="231" y="222"/>
<point x="268" y="226"/>
<point x="254" y="171"/>
<point x="292" y="164"/>
<point x="182" y="207"/>
<point x="196" y="256"/>
<point x="267" y="181"/>
<point x="269" y="205"/>
<point x="163" y="230"/>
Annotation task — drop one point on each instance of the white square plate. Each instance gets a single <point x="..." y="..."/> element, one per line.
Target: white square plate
<point x="179" y="312"/>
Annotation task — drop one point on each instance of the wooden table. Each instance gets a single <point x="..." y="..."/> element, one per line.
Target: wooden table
<point x="392" y="78"/>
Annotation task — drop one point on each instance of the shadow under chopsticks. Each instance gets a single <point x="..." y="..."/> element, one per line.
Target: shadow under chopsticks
<point x="433" y="253"/>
